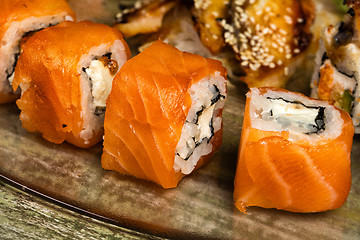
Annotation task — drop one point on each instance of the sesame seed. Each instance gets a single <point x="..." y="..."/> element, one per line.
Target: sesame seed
<point x="253" y="67"/>
<point x="283" y="32"/>
<point x="241" y="35"/>
<point x="202" y="4"/>
<point x="244" y="63"/>
<point x="248" y="34"/>
<point x="239" y="9"/>
<point x="286" y="70"/>
<point x="137" y="5"/>
<point x="273" y="26"/>
<point x="270" y="58"/>
<point x="119" y="15"/>
<point x="215" y="14"/>
<point x="239" y="2"/>
<point x="288" y="19"/>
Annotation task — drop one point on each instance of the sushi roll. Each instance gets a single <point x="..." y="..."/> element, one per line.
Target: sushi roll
<point x="336" y="77"/>
<point x="65" y="73"/>
<point x="294" y="153"/>
<point x="19" y="19"/>
<point x="164" y="115"/>
<point x="269" y="38"/>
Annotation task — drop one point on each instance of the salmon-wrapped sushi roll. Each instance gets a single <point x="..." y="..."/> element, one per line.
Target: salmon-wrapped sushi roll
<point x="65" y="73"/>
<point x="18" y="19"/>
<point x="164" y="115"/>
<point x="294" y="153"/>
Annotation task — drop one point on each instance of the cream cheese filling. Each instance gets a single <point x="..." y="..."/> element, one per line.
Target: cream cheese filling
<point x="294" y="114"/>
<point x="101" y="80"/>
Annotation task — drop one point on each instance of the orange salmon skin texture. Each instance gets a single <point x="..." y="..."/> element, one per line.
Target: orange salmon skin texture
<point x="19" y="10"/>
<point x="49" y="66"/>
<point x="146" y="111"/>
<point x="298" y="176"/>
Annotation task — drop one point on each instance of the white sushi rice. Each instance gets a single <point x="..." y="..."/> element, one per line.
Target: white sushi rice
<point x="298" y="128"/>
<point x="202" y="122"/>
<point x="95" y="84"/>
<point x="10" y="44"/>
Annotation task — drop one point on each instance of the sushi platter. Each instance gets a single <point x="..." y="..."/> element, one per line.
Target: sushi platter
<point x="201" y="206"/>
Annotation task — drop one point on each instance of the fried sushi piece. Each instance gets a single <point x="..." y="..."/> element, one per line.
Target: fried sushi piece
<point x="294" y="153"/>
<point x="207" y="14"/>
<point x="268" y="38"/>
<point x="18" y="19"/>
<point x="164" y="115"/>
<point x="336" y="76"/>
<point x="144" y="17"/>
<point x="65" y="73"/>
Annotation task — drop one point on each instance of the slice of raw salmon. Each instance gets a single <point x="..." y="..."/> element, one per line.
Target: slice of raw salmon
<point x="147" y="109"/>
<point x="56" y="95"/>
<point x="18" y="20"/>
<point x="277" y="170"/>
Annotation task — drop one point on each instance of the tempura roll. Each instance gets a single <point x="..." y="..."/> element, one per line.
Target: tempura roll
<point x="269" y="38"/>
<point x="336" y="77"/>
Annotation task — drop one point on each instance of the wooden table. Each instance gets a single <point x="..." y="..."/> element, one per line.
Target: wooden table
<point x="26" y="216"/>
